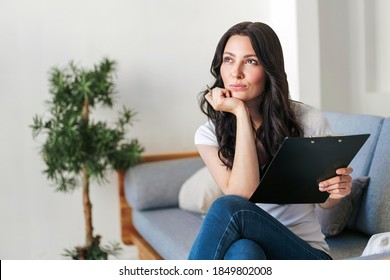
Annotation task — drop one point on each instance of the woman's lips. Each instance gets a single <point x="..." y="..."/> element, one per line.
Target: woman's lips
<point x="237" y="87"/>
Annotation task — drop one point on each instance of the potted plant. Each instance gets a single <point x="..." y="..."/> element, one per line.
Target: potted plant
<point x="78" y="149"/>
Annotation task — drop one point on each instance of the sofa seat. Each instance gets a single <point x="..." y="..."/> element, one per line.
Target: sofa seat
<point x="174" y="243"/>
<point x="348" y="243"/>
<point x="177" y="230"/>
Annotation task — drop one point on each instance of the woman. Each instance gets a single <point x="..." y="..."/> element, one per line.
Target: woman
<point x="250" y="113"/>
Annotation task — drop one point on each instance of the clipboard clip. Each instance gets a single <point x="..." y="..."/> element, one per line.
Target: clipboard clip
<point x="325" y="135"/>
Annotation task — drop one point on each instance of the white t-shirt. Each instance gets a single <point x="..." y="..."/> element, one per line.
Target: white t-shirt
<point x="299" y="218"/>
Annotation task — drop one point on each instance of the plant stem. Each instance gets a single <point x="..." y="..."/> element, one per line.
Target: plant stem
<point x="85" y="112"/>
<point x="86" y="201"/>
<point x="87" y="209"/>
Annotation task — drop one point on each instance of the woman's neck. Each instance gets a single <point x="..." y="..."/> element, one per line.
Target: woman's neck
<point x="255" y="114"/>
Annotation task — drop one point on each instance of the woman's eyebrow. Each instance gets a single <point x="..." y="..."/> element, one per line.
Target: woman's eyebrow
<point x="245" y="56"/>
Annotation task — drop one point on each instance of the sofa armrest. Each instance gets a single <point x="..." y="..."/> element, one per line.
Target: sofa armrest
<point x="156" y="184"/>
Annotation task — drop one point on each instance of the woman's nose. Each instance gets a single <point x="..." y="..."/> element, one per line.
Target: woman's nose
<point x="237" y="72"/>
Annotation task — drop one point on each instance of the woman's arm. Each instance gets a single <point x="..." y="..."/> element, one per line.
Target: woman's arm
<point x="244" y="177"/>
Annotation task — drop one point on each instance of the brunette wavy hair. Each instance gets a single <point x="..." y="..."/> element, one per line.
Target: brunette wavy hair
<point x="278" y="117"/>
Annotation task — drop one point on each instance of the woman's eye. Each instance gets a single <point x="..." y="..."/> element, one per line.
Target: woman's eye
<point x="252" y="61"/>
<point x="227" y="59"/>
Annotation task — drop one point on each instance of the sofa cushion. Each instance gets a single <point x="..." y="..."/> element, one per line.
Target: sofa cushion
<point x="333" y="220"/>
<point x="348" y="244"/>
<point x="157" y="184"/>
<point x="170" y="231"/>
<point x="374" y="214"/>
<point x="345" y="123"/>
<point x="198" y="192"/>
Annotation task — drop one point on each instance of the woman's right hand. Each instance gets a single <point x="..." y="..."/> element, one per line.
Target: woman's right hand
<point x="221" y="100"/>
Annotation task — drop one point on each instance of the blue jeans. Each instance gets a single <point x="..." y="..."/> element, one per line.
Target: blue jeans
<point x="235" y="228"/>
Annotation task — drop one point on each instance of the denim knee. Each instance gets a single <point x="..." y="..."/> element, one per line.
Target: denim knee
<point x="245" y="249"/>
<point x="230" y="204"/>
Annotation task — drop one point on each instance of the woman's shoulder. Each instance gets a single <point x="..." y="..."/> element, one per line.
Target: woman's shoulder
<point x="205" y="134"/>
<point x="303" y="110"/>
<point x="312" y="119"/>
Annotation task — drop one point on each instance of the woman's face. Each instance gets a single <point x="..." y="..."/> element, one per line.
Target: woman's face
<point x="241" y="71"/>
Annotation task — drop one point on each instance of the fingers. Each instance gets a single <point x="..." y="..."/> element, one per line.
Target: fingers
<point x="343" y="186"/>
<point x="343" y="176"/>
<point x="209" y="98"/>
<point x="335" y="181"/>
<point x="217" y="95"/>
<point x="221" y="100"/>
<point x="344" y="171"/>
<point x="338" y="186"/>
<point x="214" y="102"/>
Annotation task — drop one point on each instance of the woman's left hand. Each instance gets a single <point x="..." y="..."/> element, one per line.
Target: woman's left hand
<point x="338" y="186"/>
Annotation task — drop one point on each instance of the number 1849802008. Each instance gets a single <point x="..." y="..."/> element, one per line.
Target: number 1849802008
<point x="242" y="270"/>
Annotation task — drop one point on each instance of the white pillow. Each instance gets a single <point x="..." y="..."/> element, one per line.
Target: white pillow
<point x="378" y="244"/>
<point x="198" y="192"/>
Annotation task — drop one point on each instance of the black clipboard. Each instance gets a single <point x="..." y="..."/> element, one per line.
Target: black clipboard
<point x="301" y="163"/>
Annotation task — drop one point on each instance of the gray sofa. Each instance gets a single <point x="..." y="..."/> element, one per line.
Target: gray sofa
<point x="162" y="230"/>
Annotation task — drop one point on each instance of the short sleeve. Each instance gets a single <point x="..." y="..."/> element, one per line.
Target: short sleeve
<point x="312" y="119"/>
<point x="205" y="135"/>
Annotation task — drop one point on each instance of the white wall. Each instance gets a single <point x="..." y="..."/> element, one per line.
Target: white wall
<point x="334" y="55"/>
<point x="370" y="56"/>
<point x="355" y="56"/>
<point x="308" y="51"/>
<point x="164" y="50"/>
